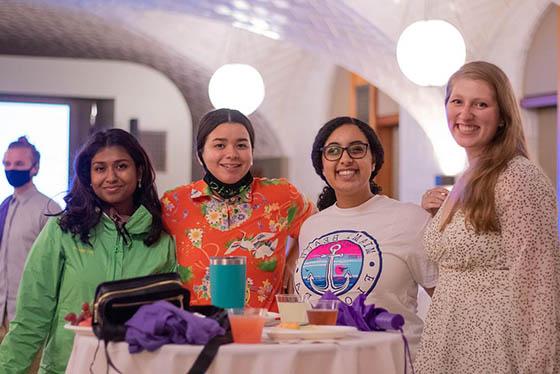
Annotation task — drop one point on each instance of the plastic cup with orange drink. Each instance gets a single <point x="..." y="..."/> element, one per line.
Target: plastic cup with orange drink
<point x="247" y="324"/>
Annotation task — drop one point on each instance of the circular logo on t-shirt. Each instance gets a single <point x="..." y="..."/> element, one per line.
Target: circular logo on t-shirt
<point x="346" y="263"/>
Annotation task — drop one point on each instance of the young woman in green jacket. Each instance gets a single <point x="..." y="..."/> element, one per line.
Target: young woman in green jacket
<point x="110" y="229"/>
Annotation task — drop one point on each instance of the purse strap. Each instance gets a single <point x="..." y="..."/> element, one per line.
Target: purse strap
<point x="109" y="361"/>
<point x="209" y="352"/>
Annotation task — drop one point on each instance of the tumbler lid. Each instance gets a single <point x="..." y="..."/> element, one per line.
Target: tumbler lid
<point x="228" y="260"/>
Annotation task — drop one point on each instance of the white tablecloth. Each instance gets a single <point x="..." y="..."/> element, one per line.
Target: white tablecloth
<point x="373" y="352"/>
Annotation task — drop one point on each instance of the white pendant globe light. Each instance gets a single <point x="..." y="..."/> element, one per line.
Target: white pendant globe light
<point x="428" y="52"/>
<point x="236" y="86"/>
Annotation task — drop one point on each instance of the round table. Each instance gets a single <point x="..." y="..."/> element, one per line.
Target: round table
<point x="359" y="352"/>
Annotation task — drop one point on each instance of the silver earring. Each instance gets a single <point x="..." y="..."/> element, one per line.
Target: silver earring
<point x="501" y="124"/>
<point x="139" y="183"/>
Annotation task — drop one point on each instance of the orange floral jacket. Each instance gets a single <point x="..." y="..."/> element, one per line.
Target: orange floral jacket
<point x="256" y="224"/>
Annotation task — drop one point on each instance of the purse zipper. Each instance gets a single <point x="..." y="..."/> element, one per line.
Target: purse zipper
<point x="111" y="293"/>
<point x="180" y="298"/>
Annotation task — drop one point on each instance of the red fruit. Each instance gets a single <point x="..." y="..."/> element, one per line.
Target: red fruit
<point x="85" y="307"/>
<point x="72" y="318"/>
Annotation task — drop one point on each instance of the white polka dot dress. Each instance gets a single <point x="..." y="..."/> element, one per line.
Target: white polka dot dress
<point x="496" y="308"/>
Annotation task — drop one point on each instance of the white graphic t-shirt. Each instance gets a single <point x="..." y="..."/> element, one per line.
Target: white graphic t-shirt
<point x="373" y="249"/>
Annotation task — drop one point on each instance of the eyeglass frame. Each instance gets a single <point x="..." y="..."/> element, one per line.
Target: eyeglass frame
<point x="322" y="149"/>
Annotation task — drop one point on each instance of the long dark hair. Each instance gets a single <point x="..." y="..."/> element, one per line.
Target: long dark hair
<point x="83" y="207"/>
<point x="215" y="118"/>
<point x="328" y="197"/>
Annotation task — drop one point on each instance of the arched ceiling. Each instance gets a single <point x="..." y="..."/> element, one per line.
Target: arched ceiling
<point x="187" y="39"/>
<point x="41" y="29"/>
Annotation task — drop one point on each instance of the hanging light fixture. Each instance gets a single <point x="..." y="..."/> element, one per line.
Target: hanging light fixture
<point x="429" y="51"/>
<point x="236" y="86"/>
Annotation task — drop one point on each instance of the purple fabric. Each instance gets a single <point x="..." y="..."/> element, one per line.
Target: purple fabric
<point x="3" y="214"/>
<point x="162" y="323"/>
<point x="365" y="317"/>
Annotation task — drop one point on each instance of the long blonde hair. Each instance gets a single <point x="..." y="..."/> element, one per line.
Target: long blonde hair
<point x="474" y="195"/>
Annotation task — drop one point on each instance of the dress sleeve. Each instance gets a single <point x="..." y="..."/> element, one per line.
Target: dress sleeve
<point x="527" y="209"/>
<point x="300" y="209"/>
<point x="36" y="303"/>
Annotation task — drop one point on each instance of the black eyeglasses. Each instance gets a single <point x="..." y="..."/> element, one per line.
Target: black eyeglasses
<point x="334" y="152"/>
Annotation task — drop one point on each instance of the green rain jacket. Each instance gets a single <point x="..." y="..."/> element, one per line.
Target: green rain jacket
<point x="61" y="273"/>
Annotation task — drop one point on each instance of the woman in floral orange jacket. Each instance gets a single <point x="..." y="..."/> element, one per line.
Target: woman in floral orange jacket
<point x="229" y="212"/>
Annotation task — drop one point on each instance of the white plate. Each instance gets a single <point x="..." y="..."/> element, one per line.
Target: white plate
<point x="311" y="332"/>
<point x="80" y="330"/>
<point x="271" y="319"/>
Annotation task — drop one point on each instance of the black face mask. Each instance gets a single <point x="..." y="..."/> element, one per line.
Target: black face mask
<point x="18" y="178"/>
<point x="228" y="190"/>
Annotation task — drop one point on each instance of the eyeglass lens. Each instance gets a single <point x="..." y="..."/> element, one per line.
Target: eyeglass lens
<point x="334" y="152"/>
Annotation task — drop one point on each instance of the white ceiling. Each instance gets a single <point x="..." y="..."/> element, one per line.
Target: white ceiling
<point x="188" y="39"/>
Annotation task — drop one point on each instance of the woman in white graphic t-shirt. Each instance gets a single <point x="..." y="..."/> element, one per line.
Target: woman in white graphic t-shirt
<point x="362" y="242"/>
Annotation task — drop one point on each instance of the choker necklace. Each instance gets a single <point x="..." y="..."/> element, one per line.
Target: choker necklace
<point x="227" y="190"/>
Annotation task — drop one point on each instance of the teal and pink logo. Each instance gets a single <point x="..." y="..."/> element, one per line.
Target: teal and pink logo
<point x="346" y="263"/>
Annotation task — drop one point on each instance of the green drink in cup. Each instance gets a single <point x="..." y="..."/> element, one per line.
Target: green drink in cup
<point x="227" y="281"/>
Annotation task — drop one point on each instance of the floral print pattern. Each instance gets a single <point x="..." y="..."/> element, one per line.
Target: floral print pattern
<point x="202" y="290"/>
<point x="223" y="216"/>
<point x="264" y="290"/>
<point x="255" y="224"/>
<point x="195" y="235"/>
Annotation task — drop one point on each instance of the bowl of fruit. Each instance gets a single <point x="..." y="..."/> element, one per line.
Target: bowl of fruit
<point x="81" y="323"/>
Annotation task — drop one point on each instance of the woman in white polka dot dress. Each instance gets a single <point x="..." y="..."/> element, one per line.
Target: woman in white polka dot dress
<point x="496" y="308"/>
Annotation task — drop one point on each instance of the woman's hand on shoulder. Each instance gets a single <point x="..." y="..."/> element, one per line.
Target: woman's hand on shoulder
<point x="433" y="199"/>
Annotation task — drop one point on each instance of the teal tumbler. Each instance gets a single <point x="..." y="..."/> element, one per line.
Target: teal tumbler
<point x="227" y="281"/>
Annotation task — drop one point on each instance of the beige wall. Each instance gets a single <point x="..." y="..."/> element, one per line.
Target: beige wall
<point x="541" y="78"/>
<point x="547" y="141"/>
<point x="540" y="70"/>
<point x="139" y="92"/>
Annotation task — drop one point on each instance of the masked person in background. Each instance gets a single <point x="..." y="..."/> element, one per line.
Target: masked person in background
<point x="230" y="213"/>
<point x="22" y="217"/>
<point x="110" y="229"/>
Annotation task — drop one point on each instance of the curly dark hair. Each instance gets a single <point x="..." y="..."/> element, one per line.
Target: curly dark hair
<point x="327" y="196"/>
<point x="84" y="209"/>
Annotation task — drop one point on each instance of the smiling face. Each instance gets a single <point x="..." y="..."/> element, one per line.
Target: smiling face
<point x="348" y="177"/>
<point x="227" y="152"/>
<point x="114" y="178"/>
<point x="473" y="115"/>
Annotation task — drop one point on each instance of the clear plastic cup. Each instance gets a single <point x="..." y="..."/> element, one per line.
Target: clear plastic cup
<point x="323" y="312"/>
<point x="247" y="324"/>
<point x="292" y="309"/>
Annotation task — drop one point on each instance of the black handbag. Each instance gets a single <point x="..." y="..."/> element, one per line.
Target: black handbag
<point x="116" y="301"/>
